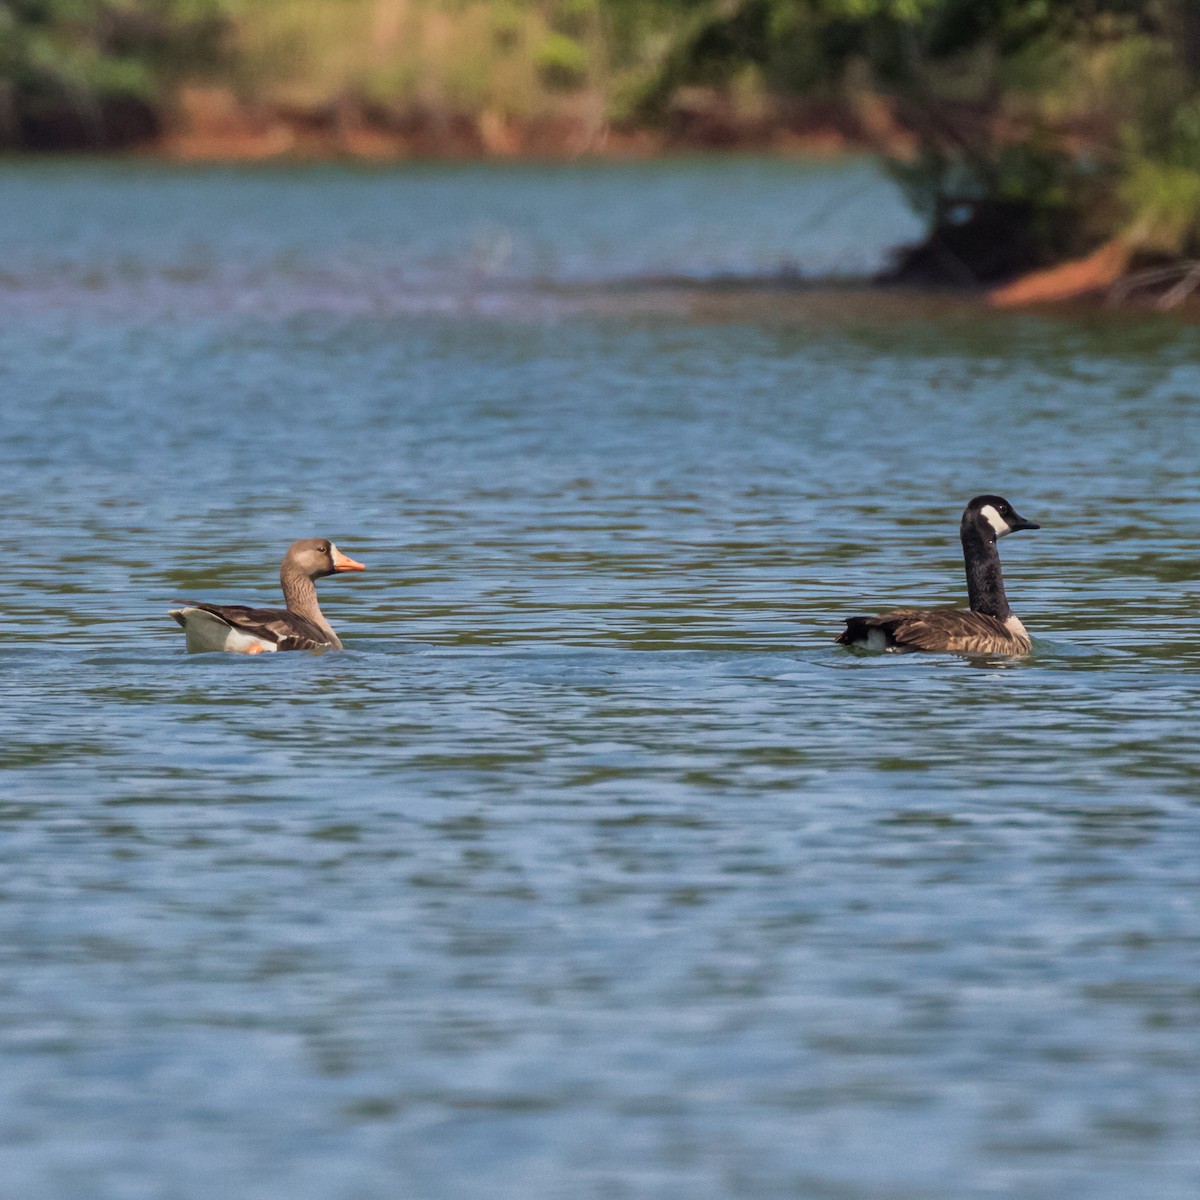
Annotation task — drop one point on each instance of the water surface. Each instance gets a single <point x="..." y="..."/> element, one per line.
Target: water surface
<point x="592" y="868"/>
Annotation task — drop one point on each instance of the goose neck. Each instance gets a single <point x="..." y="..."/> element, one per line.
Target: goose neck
<point x="985" y="581"/>
<point x="300" y="596"/>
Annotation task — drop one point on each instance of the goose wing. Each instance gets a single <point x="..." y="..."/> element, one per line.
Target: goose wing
<point x="276" y="626"/>
<point x="948" y="630"/>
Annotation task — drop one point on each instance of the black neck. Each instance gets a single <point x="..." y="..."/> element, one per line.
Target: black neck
<point x="985" y="583"/>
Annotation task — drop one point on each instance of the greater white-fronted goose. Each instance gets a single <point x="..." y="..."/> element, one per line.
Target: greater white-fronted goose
<point x="989" y="627"/>
<point x="300" y="626"/>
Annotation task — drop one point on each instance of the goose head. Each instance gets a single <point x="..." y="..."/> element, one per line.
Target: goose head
<point x="316" y="558"/>
<point x="993" y="517"/>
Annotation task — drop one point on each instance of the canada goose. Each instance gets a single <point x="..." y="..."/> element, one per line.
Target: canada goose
<point x="301" y="626"/>
<point x="990" y="627"/>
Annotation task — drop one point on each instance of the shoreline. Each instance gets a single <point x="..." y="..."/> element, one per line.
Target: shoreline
<point x="210" y="123"/>
<point x="212" y="129"/>
<point x="466" y="140"/>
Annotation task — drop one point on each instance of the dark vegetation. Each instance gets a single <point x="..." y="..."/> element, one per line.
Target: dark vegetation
<point x="76" y="74"/>
<point x="1041" y="130"/>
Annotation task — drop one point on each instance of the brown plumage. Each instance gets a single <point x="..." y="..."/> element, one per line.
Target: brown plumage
<point x="948" y="630"/>
<point x="989" y="626"/>
<point x="299" y="626"/>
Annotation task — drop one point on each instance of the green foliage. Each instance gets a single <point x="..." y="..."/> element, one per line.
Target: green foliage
<point x="508" y="20"/>
<point x="575" y="17"/>
<point x="1159" y="144"/>
<point x="78" y="73"/>
<point x="1078" y="119"/>
<point x="1164" y="201"/>
<point x="562" y="62"/>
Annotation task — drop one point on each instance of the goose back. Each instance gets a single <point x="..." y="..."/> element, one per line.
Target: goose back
<point x="238" y="628"/>
<point x="949" y="630"/>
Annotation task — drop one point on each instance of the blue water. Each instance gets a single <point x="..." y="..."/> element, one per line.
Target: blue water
<point x="591" y="869"/>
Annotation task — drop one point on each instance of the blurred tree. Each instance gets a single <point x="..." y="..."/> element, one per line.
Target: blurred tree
<point x="78" y="74"/>
<point x="1040" y="128"/>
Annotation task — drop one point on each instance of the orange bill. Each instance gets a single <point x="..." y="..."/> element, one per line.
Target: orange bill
<point x="342" y="562"/>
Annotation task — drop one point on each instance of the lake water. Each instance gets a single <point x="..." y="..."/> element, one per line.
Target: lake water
<point x="592" y="870"/>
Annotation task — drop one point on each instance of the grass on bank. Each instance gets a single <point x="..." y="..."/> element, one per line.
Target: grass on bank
<point x="510" y="57"/>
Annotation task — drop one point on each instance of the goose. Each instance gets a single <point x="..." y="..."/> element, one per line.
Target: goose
<point x="988" y="627"/>
<point x="300" y="626"/>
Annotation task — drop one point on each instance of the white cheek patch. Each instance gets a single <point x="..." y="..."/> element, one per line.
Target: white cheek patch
<point x="995" y="520"/>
